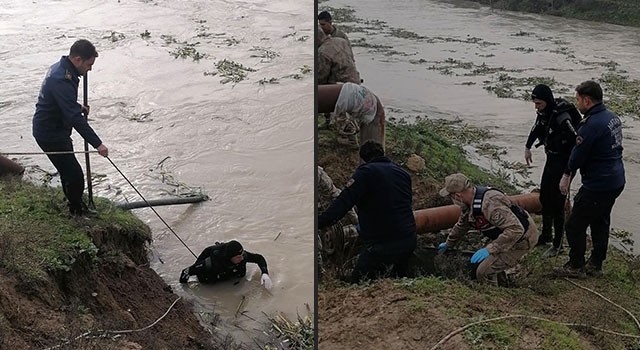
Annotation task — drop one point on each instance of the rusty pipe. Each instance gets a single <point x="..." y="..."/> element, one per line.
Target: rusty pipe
<point x="327" y="97"/>
<point x="9" y="167"/>
<point x="440" y="218"/>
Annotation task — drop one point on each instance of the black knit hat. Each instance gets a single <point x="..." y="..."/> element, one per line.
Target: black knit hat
<point x="543" y="92"/>
<point x="232" y="249"/>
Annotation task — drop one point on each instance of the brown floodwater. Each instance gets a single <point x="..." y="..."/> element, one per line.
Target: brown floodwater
<point x="524" y="45"/>
<point x="249" y="146"/>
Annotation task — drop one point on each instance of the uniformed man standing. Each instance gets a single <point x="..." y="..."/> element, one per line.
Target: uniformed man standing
<point x="555" y="127"/>
<point x="57" y="112"/>
<point x="381" y="190"/>
<point x="598" y="155"/>
<point x="510" y="228"/>
<point x="324" y="18"/>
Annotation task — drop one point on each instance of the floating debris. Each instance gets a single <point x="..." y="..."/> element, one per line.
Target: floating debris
<point x="289" y="35"/>
<point x="141" y="117"/>
<point x="114" y="36"/>
<point x="188" y="50"/>
<point x="168" y="39"/>
<point x="231" y="41"/>
<point x="265" y="81"/>
<point x="232" y="71"/>
<point x="264" y="53"/>
<point x="145" y="34"/>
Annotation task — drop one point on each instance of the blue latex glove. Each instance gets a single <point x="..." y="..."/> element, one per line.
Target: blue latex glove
<point x="442" y="247"/>
<point x="480" y="255"/>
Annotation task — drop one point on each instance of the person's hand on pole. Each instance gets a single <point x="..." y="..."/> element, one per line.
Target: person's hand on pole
<point x="565" y="183"/>
<point x="266" y="281"/>
<point x="85" y="110"/>
<point x="527" y="156"/>
<point x="103" y="150"/>
<point x="480" y="255"/>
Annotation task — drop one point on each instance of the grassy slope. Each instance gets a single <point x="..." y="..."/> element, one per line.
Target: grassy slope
<point x="417" y="313"/>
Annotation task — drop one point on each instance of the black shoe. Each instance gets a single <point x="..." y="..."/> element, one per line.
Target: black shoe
<point x="569" y="271"/>
<point x="184" y="276"/>
<point x="543" y="241"/>
<point x="593" y="269"/>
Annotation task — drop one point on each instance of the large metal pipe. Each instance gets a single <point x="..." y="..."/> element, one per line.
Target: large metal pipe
<point x="440" y="218"/>
<point x="327" y="97"/>
<point x="9" y="167"/>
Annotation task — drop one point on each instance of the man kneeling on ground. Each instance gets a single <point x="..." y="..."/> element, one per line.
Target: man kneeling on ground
<point x="224" y="261"/>
<point x="511" y="229"/>
<point x="381" y="191"/>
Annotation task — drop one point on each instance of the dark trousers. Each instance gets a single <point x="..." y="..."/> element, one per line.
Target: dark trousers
<point x="384" y="258"/>
<point x="590" y="208"/>
<point x="71" y="175"/>
<point x="552" y="200"/>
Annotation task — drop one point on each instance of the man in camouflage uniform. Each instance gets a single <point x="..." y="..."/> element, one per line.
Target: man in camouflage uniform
<point x="324" y="19"/>
<point x="490" y="211"/>
<point x="337" y="65"/>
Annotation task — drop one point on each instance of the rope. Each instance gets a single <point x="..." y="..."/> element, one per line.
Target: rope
<point x="105" y="333"/>
<point x="606" y="299"/>
<point x="153" y="209"/>
<point x="40" y="153"/>
<point x="534" y="318"/>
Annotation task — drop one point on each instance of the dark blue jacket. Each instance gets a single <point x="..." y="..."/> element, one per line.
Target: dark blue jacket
<point x="58" y="110"/>
<point x="381" y="190"/>
<point x="598" y="151"/>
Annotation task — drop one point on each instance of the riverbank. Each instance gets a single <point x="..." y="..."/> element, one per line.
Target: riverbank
<point x="536" y="312"/>
<point x="625" y="13"/>
<point x="86" y="283"/>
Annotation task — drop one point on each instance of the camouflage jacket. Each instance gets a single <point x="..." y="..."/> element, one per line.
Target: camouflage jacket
<point x="496" y="208"/>
<point x="335" y="63"/>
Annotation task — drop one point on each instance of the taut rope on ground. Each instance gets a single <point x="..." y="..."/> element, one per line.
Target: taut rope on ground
<point x="152" y="208"/>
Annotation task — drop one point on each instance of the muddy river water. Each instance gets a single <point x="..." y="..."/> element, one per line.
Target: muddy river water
<point x="247" y="145"/>
<point x="430" y="58"/>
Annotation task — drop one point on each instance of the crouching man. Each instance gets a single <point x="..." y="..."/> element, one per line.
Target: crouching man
<point x="510" y="228"/>
<point x="224" y="261"/>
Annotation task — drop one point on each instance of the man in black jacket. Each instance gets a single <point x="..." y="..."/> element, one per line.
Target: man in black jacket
<point x="224" y="261"/>
<point x="381" y="191"/>
<point x="555" y="127"/>
<point x="57" y="112"/>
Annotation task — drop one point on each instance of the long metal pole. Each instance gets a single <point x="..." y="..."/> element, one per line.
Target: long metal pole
<point x="85" y="93"/>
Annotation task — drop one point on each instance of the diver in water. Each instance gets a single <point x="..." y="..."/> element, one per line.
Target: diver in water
<point x="224" y="261"/>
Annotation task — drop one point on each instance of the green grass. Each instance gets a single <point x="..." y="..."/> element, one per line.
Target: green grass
<point x="442" y="156"/>
<point x="39" y="237"/>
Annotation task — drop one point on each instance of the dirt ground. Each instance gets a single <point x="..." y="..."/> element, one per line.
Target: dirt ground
<point x="120" y="293"/>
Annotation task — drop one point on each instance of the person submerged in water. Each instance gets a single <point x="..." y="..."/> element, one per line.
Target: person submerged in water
<point x="224" y="261"/>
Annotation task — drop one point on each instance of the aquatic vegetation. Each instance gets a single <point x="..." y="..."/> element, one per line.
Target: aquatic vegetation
<point x="231" y="71"/>
<point x="231" y="41"/>
<point x="188" y="50"/>
<point x="141" y="117"/>
<point x="522" y="33"/>
<point x="622" y="94"/>
<point x="523" y="49"/>
<point x="145" y="34"/>
<point x="265" y="81"/>
<point x="114" y="36"/>
<point x="168" y="39"/>
<point x="264" y="53"/>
